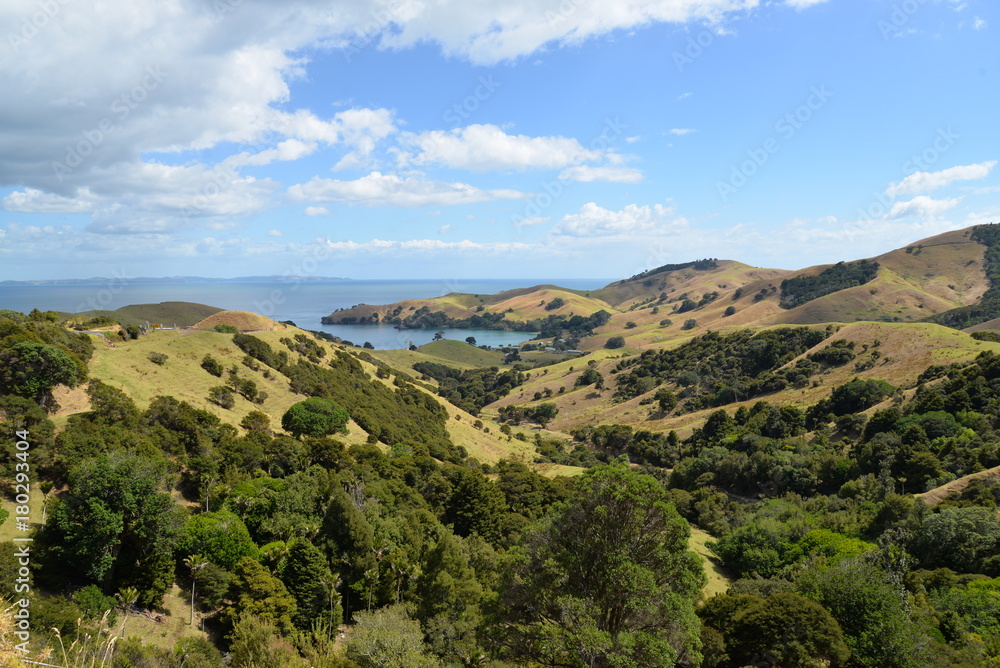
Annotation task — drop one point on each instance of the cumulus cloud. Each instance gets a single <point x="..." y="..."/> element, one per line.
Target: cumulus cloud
<point x="922" y="206"/>
<point x="377" y="189"/>
<point x="919" y="182"/>
<point x="288" y="150"/>
<point x="586" y="173"/>
<point x="429" y="246"/>
<point x="495" y="30"/>
<point x="802" y="4"/>
<point x="531" y="222"/>
<point x="484" y="148"/>
<point x="681" y="131"/>
<point x="593" y="221"/>
<point x="32" y="200"/>
<point x="316" y="211"/>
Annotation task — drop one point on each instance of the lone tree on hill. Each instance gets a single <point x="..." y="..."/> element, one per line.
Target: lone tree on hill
<point x="315" y="417"/>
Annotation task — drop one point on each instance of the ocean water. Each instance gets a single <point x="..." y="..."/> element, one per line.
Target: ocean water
<point x="304" y="302"/>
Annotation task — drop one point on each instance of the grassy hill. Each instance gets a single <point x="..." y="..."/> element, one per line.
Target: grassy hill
<point x="182" y="314"/>
<point x="127" y="366"/>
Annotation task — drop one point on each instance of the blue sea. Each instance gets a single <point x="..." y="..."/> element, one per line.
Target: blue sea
<point x="302" y="302"/>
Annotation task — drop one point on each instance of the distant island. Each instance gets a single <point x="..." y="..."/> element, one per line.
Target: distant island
<point x="178" y="279"/>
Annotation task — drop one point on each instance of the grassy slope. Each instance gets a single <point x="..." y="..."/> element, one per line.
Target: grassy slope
<point x="718" y="578"/>
<point x="905" y="350"/>
<point x="939" y="494"/>
<point x="184" y="314"/>
<point x="128" y="368"/>
<point x="244" y="321"/>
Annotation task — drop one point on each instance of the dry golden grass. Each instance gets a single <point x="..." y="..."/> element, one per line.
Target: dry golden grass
<point x="532" y="305"/>
<point x="244" y="321"/>
<point x="128" y="368"/>
<point x="939" y="494"/>
<point x="718" y="578"/>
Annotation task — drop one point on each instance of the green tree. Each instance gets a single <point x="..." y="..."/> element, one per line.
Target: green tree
<point x="606" y="581"/>
<point x="256" y="592"/>
<point x="305" y="573"/>
<point x="786" y="630"/>
<point x="110" y="405"/>
<point x="544" y="413"/>
<point x="115" y="527"/>
<point x="256" y="643"/>
<point x="220" y="537"/>
<point x="33" y="370"/>
<point x="315" y="417"/>
<point x="256" y="421"/>
<point x="388" y="638"/>
<point x="870" y="609"/>
<point x="476" y="506"/>
<point x="212" y="365"/>
<point x="615" y="342"/>
<point x="448" y="597"/>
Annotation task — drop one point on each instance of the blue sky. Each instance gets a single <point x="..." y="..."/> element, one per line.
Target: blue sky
<point x="397" y="138"/>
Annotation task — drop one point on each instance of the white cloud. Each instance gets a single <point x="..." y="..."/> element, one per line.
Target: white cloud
<point x="586" y="173"/>
<point x="428" y="246"/>
<point x="593" y="220"/>
<point x="926" y="181"/>
<point x="32" y="200"/>
<point x="496" y="30"/>
<point x="484" y="148"/>
<point x="531" y="222"/>
<point x="802" y="4"/>
<point x="444" y="229"/>
<point x="681" y="131"/>
<point x="922" y="206"/>
<point x="275" y="233"/>
<point x="316" y="211"/>
<point x="979" y="24"/>
<point x="684" y="96"/>
<point x="288" y="150"/>
<point x="377" y="189"/>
